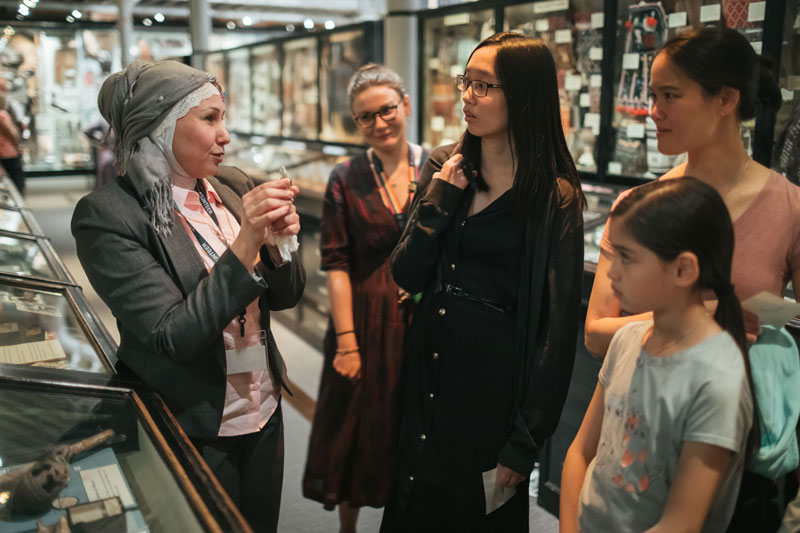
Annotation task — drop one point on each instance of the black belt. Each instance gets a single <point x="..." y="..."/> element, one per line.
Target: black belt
<point x="461" y="293"/>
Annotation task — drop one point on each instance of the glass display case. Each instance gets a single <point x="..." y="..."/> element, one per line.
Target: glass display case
<point x="266" y="81"/>
<point x="29" y="257"/>
<point x="13" y="219"/>
<point x="300" y="89"/>
<point x="642" y="28"/>
<point x="448" y="42"/>
<point x="238" y="101"/>
<point x="786" y="151"/>
<point x="599" y="200"/>
<point x="98" y="458"/>
<point x="44" y="324"/>
<point x="341" y="55"/>
<point x="7" y="198"/>
<point x="574" y="34"/>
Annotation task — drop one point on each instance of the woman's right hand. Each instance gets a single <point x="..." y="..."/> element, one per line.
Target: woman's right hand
<point x="261" y="207"/>
<point x="452" y="171"/>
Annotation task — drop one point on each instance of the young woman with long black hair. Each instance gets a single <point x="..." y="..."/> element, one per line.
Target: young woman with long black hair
<point x="495" y="243"/>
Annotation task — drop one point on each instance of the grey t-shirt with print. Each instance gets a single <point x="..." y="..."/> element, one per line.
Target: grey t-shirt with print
<point x="653" y="405"/>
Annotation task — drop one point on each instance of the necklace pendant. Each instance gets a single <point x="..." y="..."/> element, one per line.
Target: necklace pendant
<point x="412" y="186"/>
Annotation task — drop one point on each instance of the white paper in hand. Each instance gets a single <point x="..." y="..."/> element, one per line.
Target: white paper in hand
<point x="771" y="310"/>
<point x="494" y="494"/>
<point x="285" y="245"/>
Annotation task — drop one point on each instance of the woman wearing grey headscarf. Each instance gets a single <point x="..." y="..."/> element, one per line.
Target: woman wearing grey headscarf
<point x="178" y="248"/>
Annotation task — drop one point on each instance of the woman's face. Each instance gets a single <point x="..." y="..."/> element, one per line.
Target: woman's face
<point x="384" y="134"/>
<point x="200" y="138"/>
<point x="486" y="116"/>
<point x="685" y="117"/>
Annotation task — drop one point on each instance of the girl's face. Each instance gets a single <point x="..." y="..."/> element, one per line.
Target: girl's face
<point x="638" y="276"/>
<point x="385" y="134"/>
<point x="685" y="117"/>
<point x="200" y="138"/>
<point x="486" y="116"/>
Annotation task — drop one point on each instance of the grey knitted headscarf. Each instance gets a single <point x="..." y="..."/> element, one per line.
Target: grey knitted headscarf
<point x="142" y="104"/>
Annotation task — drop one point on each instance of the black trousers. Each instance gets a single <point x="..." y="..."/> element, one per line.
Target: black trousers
<point x="250" y="468"/>
<point x="13" y="167"/>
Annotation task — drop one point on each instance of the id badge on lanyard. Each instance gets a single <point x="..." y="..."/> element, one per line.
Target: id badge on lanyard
<point x="248" y="359"/>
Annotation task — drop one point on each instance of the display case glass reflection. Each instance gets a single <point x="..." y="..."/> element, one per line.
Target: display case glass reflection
<point x="574" y="35"/>
<point x="642" y="28"/>
<point x="342" y="55"/>
<point x="21" y="256"/>
<point x="599" y="200"/>
<point x="40" y="326"/>
<point x="13" y="220"/>
<point x="7" y="198"/>
<point x="238" y="99"/>
<point x="786" y="151"/>
<point x="266" y="81"/>
<point x="448" y="42"/>
<point x="300" y="90"/>
<point x="216" y="65"/>
<point x="90" y="460"/>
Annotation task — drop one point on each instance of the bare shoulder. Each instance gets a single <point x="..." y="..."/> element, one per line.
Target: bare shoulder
<point x="675" y="172"/>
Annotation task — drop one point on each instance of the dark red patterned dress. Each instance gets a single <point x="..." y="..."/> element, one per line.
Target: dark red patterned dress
<point x="351" y="454"/>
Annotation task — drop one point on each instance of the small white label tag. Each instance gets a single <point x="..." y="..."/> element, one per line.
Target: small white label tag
<point x="630" y="61"/>
<point x="596" y="80"/>
<point x="596" y="53"/>
<point x="583" y="100"/>
<point x="635" y="131"/>
<point x="710" y="13"/>
<point x="572" y="82"/>
<point x="550" y="6"/>
<point x="598" y="20"/>
<point x="542" y="25"/>
<point x="676" y="20"/>
<point x="563" y="36"/>
<point x="614" y="167"/>
<point x="756" y="11"/>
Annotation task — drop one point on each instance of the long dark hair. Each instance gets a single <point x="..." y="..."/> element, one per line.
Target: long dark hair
<point x="685" y="214"/>
<point x="526" y="70"/>
<point x="722" y="57"/>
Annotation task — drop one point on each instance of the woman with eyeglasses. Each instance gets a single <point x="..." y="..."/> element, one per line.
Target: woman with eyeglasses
<point x="354" y="436"/>
<point x="495" y="244"/>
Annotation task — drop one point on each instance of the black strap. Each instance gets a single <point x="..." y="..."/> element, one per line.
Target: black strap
<point x="204" y="243"/>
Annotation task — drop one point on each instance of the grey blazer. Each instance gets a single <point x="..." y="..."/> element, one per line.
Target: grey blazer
<point x="170" y="311"/>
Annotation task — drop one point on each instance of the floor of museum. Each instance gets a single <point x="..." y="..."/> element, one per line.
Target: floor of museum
<point x="52" y="201"/>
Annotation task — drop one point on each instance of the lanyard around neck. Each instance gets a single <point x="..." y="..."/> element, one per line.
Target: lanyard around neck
<point x="389" y="198"/>
<point x="207" y="248"/>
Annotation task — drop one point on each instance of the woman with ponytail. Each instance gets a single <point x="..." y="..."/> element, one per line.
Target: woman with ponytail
<point x="704" y="83"/>
<point x="663" y="444"/>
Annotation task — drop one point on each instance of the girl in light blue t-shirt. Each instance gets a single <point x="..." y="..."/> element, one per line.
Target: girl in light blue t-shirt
<point x="662" y="444"/>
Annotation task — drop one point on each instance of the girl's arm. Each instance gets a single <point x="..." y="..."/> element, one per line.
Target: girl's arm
<point x="580" y="454"/>
<point x="603" y="315"/>
<point x="700" y="470"/>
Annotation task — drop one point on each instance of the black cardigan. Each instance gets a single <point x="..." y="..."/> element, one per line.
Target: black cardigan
<point x="548" y="304"/>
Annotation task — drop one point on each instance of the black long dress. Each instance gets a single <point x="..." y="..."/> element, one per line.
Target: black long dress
<point x="459" y="390"/>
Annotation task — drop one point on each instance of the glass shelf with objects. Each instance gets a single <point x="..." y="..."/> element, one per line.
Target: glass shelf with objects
<point x="574" y="33"/>
<point x="48" y="324"/>
<point x="216" y="64"/>
<point x="642" y="28"/>
<point x="266" y="84"/>
<point x="29" y="257"/>
<point x="100" y="457"/>
<point x="447" y="42"/>
<point x="341" y="54"/>
<point x="300" y="89"/>
<point x="18" y="220"/>
<point x="238" y="97"/>
<point x="786" y="150"/>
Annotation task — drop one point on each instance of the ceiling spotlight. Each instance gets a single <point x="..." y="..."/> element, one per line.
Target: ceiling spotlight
<point x="77" y="14"/>
<point x="247" y="20"/>
<point x="231" y="25"/>
<point x="158" y="17"/>
<point x="24" y="10"/>
<point x="308" y="24"/>
<point x="30" y="3"/>
<point x="147" y="22"/>
<point x="70" y="18"/>
<point x="290" y="27"/>
<point x="329" y="24"/>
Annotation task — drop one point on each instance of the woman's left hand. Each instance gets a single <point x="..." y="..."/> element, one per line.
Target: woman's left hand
<point x="507" y="478"/>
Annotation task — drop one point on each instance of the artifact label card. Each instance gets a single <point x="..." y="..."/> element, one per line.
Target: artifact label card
<point x="32" y="352"/>
<point x="105" y="482"/>
<point x="710" y="13"/>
